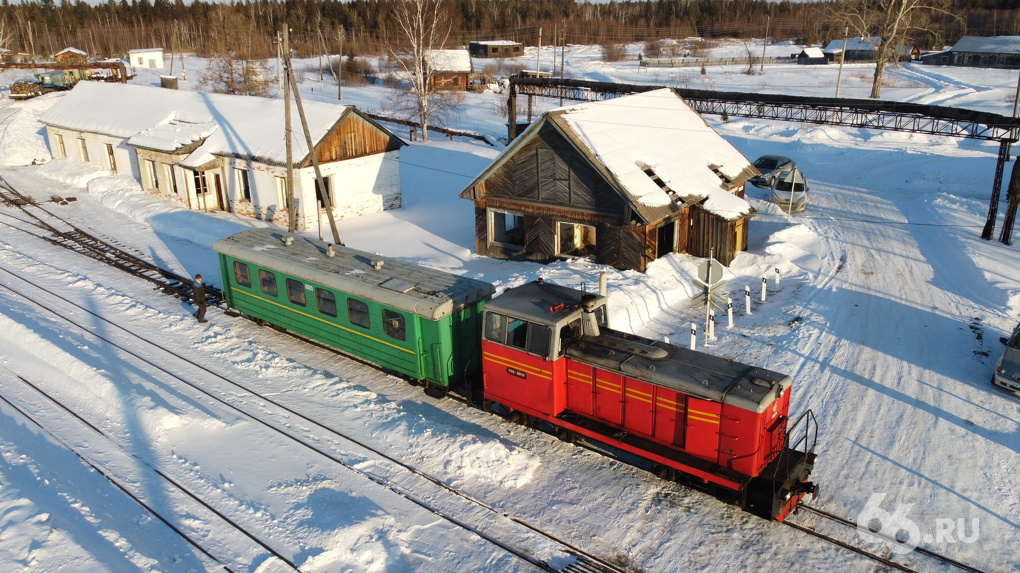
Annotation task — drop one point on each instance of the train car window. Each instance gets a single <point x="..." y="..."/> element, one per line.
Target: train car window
<point x="267" y="281"/>
<point x="393" y="325"/>
<point x="600" y="316"/>
<point x="326" y="301"/>
<point x="357" y="313"/>
<point x="495" y="327"/>
<point x="517" y="333"/>
<point x="296" y="292"/>
<point x="242" y="275"/>
<point x="538" y="340"/>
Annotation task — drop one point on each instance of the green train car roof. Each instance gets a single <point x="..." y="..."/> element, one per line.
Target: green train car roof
<point x="400" y="285"/>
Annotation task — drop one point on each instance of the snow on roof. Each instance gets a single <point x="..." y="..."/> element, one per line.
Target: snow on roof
<point x="658" y="131"/>
<point x="496" y="43"/>
<point x="145" y="50"/>
<point x="857" y="44"/>
<point x="73" y="51"/>
<point x="813" y="52"/>
<point x="993" y="45"/>
<point x="165" y="119"/>
<point x="449" y="60"/>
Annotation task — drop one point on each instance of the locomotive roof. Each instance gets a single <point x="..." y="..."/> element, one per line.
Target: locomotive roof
<point x="694" y="373"/>
<point x="429" y="293"/>
<point x="534" y="302"/>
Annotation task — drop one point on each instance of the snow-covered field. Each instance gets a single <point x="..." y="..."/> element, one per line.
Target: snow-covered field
<point x="887" y="313"/>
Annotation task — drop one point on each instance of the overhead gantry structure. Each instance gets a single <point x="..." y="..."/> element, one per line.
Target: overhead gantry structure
<point x="842" y="112"/>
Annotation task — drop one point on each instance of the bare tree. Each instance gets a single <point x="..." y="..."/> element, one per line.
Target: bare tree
<point x="235" y="67"/>
<point x="751" y="58"/>
<point x="888" y="25"/>
<point x="423" y="28"/>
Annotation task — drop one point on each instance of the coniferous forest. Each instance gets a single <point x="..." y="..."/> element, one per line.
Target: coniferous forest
<point x="364" y="27"/>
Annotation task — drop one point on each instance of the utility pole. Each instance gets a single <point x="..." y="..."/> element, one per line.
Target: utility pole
<point x="327" y="201"/>
<point x="538" y="60"/>
<point x="842" y="58"/>
<point x="764" y="44"/>
<point x="285" y="64"/>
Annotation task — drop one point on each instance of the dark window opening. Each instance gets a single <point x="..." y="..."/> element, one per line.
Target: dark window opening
<point x="508" y="229"/>
<point x="517" y="334"/>
<point x="267" y="281"/>
<point x="241" y="274"/>
<point x="393" y="325"/>
<point x="326" y="301"/>
<point x="357" y="313"/>
<point x="538" y="340"/>
<point x="495" y="327"/>
<point x="296" y="292"/>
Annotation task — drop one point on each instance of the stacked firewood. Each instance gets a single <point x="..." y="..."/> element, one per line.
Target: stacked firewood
<point x="25" y="89"/>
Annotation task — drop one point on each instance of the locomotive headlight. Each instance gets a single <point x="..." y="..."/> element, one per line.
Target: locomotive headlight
<point x="788" y="495"/>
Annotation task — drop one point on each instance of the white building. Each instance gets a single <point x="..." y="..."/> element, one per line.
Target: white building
<point x="223" y="152"/>
<point x="147" y="58"/>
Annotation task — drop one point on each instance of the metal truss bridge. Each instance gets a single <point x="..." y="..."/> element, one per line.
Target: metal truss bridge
<point x="842" y="112"/>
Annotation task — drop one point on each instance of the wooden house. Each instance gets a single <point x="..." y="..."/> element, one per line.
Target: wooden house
<point x="811" y="57"/>
<point x="147" y="58"/>
<point x="979" y="52"/>
<point x="495" y="49"/>
<point x="449" y="69"/>
<point x="216" y="152"/>
<point x="856" y="49"/>
<point x="71" y="56"/>
<point x="622" y="181"/>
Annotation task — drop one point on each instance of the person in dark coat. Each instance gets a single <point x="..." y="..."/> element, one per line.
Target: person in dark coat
<point x="198" y="298"/>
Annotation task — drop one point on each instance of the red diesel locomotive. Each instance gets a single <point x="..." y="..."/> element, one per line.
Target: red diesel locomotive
<point x="715" y="424"/>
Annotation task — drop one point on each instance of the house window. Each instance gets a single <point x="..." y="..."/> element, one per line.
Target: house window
<point x="282" y="192"/>
<point x="151" y="178"/>
<point x="326" y="301"/>
<point x="168" y="171"/>
<point x="576" y="240"/>
<point x="393" y="325"/>
<point x="242" y="183"/>
<point x="357" y="313"/>
<point x="507" y="229"/>
<point x="201" y="187"/>
<point x="318" y="191"/>
<point x="83" y="149"/>
<point x="111" y="160"/>
<point x="242" y="275"/>
<point x="267" y="281"/>
<point x="296" y="292"/>
<point x="61" y="150"/>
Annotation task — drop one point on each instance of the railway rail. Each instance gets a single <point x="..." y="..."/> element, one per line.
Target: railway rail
<point x="122" y="484"/>
<point x="833" y="518"/>
<point x="171" y="283"/>
<point x="495" y="526"/>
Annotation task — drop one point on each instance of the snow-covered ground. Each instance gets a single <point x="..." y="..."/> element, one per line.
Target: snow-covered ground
<point x="887" y="312"/>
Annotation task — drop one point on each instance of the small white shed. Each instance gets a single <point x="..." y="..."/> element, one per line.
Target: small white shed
<point x="147" y="58"/>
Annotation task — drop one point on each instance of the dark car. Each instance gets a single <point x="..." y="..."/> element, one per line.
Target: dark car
<point x="770" y="167"/>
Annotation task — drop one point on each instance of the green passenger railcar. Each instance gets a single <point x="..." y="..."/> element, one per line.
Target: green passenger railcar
<point x="417" y="321"/>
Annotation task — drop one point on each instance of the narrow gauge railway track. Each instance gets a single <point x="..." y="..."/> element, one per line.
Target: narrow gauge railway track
<point x="831" y="517"/>
<point x="121" y="484"/>
<point x="493" y="531"/>
<point x="63" y="233"/>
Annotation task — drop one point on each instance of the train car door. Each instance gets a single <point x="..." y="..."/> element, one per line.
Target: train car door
<point x="517" y="371"/>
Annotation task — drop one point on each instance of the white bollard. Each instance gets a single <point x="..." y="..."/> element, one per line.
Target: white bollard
<point x="777" y="277"/>
<point x="747" y="299"/>
<point x="729" y="311"/>
<point x="764" y="287"/>
<point x="694" y="336"/>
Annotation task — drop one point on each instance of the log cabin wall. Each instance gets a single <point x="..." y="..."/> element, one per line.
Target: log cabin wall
<point x="713" y="235"/>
